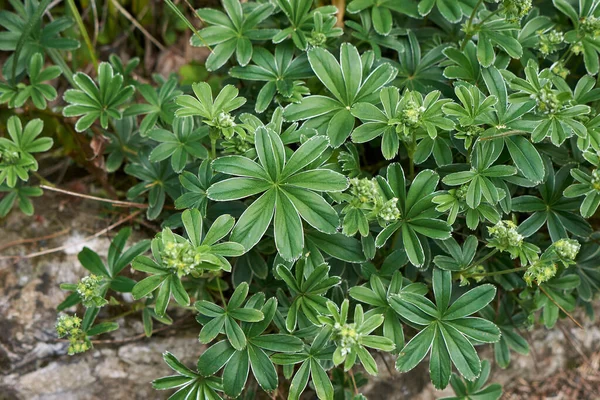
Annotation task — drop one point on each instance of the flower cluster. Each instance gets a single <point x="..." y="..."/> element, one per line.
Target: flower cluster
<point x="547" y="101"/>
<point x="539" y="271"/>
<point x="180" y="257"/>
<point x="225" y="123"/>
<point x="90" y="290"/>
<point x="550" y="42"/>
<point x="596" y="180"/>
<point x="559" y="69"/>
<point x="364" y="196"/>
<point x="567" y="250"/>
<point x="345" y="336"/>
<point x="514" y="10"/>
<point x="389" y="210"/>
<point x="364" y="191"/>
<point x="468" y="133"/>
<point x="591" y="26"/>
<point x="70" y="326"/>
<point x="505" y="236"/>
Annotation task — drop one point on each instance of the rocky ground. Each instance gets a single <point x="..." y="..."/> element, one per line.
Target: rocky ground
<point x="564" y="363"/>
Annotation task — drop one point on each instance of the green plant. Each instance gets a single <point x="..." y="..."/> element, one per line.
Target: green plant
<point x="423" y="183"/>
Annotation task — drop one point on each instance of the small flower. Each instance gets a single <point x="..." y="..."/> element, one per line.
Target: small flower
<point x="346" y="337"/>
<point x="590" y="25"/>
<point x="412" y="113"/>
<point x="547" y="101"/>
<point x="596" y="180"/>
<point x="504" y="235"/>
<point x="540" y="272"/>
<point x="90" y="290"/>
<point x="550" y="42"/>
<point x="567" y="249"/>
<point x="364" y="190"/>
<point x="180" y="257"/>
<point x="68" y="325"/>
<point x="389" y="211"/>
<point x="559" y="69"/>
<point x="317" y="39"/>
<point x="514" y="10"/>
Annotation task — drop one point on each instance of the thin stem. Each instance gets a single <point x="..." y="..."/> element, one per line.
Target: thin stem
<point x="213" y="148"/>
<point x="411" y="155"/>
<point x="116" y="203"/>
<point x="561" y="309"/>
<point x="61" y="248"/>
<point x="513" y="132"/>
<point x="221" y="292"/>
<point x="135" y="23"/>
<point x="353" y="381"/>
<point x="484" y="258"/>
<point x="494" y="273"/>
<point x="86" y="37"/>
<point x="468" y="35"/>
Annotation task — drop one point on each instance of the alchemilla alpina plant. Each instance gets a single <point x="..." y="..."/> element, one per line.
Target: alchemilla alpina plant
<point x="417" y="178"/>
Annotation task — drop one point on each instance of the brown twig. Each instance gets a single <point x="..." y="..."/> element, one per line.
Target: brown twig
<point x="35" y="239"/>
<point x="116" y="203"/>
<point x="561" y="309"/>
<point x="134" y="21"/>
<point x="94" y="236"/>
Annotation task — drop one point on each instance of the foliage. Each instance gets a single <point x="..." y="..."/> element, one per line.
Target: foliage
<point x="422" y="182"/>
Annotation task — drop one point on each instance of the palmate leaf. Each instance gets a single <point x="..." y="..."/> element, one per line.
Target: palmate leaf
<point x="38" y="91"/>
<point x="19" y="195"/>
<point x="190" y="384"/>
<point x="418" y="218"/>
<point x="307" y="23"/>
<point x="447" y="329"/>
<point x="233" y="31"/>
<point x="381" y="12"/>
<point x="93" y="102"/>
<point x="288" y="192"/>
<point x="16" y="153"/>
<point x="348" y="83"/>
<point x="552" y="209"/>
<point x="26" y="34"/>
<point x="310" y="367"/>
<point x="279" y="70"/>
<point x="238" y="363"/>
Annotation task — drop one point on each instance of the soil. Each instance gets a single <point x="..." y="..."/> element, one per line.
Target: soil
<point x="564" y="362"/>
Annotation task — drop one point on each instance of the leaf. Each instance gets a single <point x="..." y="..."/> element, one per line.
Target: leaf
<point x="416" y="350"/>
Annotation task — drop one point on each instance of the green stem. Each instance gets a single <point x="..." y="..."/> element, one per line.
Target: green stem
<point x="411" y="155"/>
<point x="494" y="273"/>
<point x="221" y="292"/>
<point x="513" y="132"/>
<point x="484" y="258"/>
<point x="84" y="33"/>
<point x="469" y="35"/>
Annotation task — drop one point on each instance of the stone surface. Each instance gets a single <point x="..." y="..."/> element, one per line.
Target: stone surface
<point x="34" y="364"/>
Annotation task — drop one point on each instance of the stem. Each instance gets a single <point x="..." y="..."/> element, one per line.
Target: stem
<point x="503" y="272"/>
<point x="353" y="381"/>
<point x="468" y="35"/>
<point x="116" y="203"/>
<point x="411" y="155"/>
<point x="561" y="309"/>
<point x="213" y="148"/>
<point x="513" y="132"/>
<point x="84" y="33"/>
<point x="221" y="292"/>
<point x="484" y="258"/>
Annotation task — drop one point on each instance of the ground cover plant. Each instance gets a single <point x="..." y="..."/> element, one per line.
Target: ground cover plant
<point x="418" y="179"/>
